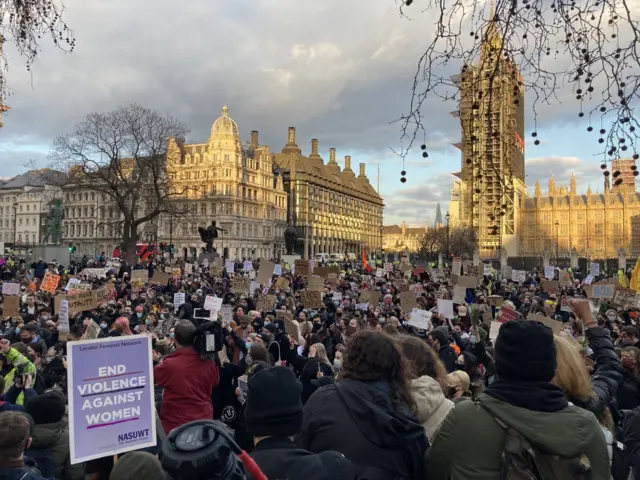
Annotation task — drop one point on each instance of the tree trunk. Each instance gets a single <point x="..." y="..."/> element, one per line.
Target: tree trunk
<point x="129" y="241"/>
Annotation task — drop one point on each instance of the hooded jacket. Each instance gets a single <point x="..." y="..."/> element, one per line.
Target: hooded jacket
<point x="432" y="406"/>
<point x="359" y="420"/>
<point x="470" y="442"/>
<point x="55" y="438"/>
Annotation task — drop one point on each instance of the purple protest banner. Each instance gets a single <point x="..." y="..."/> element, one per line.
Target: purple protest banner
<point x="111" y="400"/>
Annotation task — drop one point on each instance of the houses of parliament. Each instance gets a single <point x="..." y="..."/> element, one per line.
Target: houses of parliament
<point x="489" y="193"/>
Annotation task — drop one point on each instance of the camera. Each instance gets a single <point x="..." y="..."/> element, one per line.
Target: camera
<point x="209" y="337"/>
<point x="202" y="450"/>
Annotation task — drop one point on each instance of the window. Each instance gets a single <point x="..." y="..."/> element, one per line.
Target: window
<point x="226" y="158"/>
<point x="598" y="228"/>
<point x="27" y="208"/>
<point x="203" y="209"/>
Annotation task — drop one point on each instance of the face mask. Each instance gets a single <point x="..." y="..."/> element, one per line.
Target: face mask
<point x="451" y="392"/>
<point x="172" y="335"/>
<point x="612" y="317"/>
<point x="472" y="339"/>
<point x="103" y="326"/>
<point x="147" y="322"/>
<point x="248" y="344"/>
<point x="568" y="331"/>
<point x="248" y="360"/>
<point x="316" y="327"/>
<point x="337" y="363"/>
<point x="163" y="316"/>
<point x="17" y="330"/>
<point x="277" y="292"/>
<point x="138" y="314"/>
<point x="614" y="335"/>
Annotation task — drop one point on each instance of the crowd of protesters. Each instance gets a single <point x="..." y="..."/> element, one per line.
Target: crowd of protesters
<point x="351" y="387"/>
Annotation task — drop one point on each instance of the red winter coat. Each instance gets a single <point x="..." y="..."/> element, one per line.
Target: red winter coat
<point x="188" y="382"/>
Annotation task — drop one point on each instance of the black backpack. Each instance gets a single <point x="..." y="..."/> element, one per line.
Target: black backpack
<point x="520" y="460"/>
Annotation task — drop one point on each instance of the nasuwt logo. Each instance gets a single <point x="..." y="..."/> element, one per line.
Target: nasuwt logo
<point x="133" y="436"/>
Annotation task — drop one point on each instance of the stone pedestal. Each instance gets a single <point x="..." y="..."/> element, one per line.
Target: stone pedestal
<point x="545" y="258"/>
<point x="573" y="260"/>
<point x="503" y="257"/>
<point x="440" y="261"/>
<point x="476" y="258"/>
<point x="291" y="259"/>
<point x="210" y="257"/>
<point x="622" y="260"/>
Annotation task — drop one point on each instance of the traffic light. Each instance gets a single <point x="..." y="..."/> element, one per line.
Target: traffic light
<point x="163" y="247"/>
<point x="70" y="247"/>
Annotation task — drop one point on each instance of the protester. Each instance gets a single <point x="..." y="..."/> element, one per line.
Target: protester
<point x="188" y="381"/>
<point x="523" y="399"/>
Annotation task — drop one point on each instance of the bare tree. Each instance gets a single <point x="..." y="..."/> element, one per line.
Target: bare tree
<point x="121" y="155"/>
<point x="24" y="23"/>
<point x="587" y="47"/>
<point x="433" y="242"/>
<point x="462" y="241"/>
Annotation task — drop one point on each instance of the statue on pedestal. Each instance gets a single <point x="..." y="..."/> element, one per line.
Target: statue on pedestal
<point x="290" y="239"/>
<point x="208" y="235"/>
<point x="53" y="223"/>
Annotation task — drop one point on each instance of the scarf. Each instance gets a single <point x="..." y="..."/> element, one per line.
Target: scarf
<point x="535" y="396"/>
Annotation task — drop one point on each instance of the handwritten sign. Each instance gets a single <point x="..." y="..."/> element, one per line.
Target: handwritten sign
<point x="266" y="303"/>
<point x="420" y="319"/>
<point x="311" y="299"/>
<point x="240" y="284"/>
<point x="9" y="288"/>
<point x="302" y="267"/>
<point x="50" y="282"/>
<point x="11" y="306"/>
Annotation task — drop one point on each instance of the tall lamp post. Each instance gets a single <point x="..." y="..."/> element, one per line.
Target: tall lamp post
<point x="447" y="217"/>
<point x="557" y="242"/>
<point x="15" y="224"/>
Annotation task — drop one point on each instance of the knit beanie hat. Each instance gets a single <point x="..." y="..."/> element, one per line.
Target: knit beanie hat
<point x="138" y="466"/>
<point x="525" y="351"/>
<point x="274" y="403"/>
<point x="46" y="408"/>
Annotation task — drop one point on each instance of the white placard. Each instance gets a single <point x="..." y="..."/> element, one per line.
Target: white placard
<point x="594" y="269"/>
<point x="549" y="272"/>
<point x="63" y="316"/>
<point x="212" y="303"/>
<point x="420" y="319"/>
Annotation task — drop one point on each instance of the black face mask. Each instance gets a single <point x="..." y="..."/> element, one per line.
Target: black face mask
<point x="451" y="392"/>
<point x="317" y="327"/>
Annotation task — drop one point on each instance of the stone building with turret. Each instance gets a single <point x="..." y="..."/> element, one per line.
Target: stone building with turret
<point x="592" y="224"/>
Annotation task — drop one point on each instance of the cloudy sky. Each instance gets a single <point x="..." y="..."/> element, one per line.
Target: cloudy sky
<point x="340" y="71"/>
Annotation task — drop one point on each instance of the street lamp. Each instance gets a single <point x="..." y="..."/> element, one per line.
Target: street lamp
<point x="15" y="223"/>
<point x="447" y="217"/>
<point x="557" y="242"/>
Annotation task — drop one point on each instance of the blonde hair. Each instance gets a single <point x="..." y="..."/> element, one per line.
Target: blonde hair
<point x="571" y="373"/>
<point x="321" y="353"/>
<point x="461" y="378"/>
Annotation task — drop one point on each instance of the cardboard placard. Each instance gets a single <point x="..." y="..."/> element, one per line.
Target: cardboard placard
<point x="311" y="299"/>
<point x="50" y="282"/>
<point x="625" y="297"/>
<point x="555" y="325"/>
<point x="370" y="297"/>
<point x="78" y="302"/>
<point x="459" y="294"/>
<point x="282" y="283"/>
<point x="240" y="284"/>
<point x="407" y="301"/>
<point x="265" y="272"/>
<point x="550" y="286"/>
<point x="159" y="278"/>
<point x="11" y="306"/>
<point x="316" y="283"/>
<point x="302" y="267"/>
<point x="322" y="272"/>
<point x="600" y="290"/>
<point x="266" y="303"/>
<point x="468" y="282"/>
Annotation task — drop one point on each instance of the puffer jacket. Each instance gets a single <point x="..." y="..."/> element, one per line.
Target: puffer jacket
<point x="608" y="374"/>
<point x="432" y="406"/>
<point x="470" y="443"/>
<point x="55" y="438"/>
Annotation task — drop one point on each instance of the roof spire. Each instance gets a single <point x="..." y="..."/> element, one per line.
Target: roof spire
<point x="492" y="10"/>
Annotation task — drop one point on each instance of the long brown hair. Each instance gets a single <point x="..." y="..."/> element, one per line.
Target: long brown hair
<point x="422" y="359"/>
<point x="372" y="356"/>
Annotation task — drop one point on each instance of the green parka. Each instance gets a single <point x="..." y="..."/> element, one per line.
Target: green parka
<point x="470" y="442"/>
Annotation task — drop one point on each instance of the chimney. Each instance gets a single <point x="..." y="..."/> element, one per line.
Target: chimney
<point x="292" y="136"/>
<point x="314" y="147"/>
<point x="254" y="139"/>
<point x="362" y="170"/>
<point x="332" y="156"/>
<point x="347" y="162"/>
